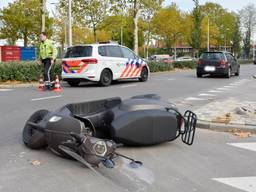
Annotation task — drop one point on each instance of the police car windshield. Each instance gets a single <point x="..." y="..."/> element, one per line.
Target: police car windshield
<point x="79" y="51"/>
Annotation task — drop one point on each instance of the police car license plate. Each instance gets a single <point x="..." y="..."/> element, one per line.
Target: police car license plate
<point x="209" y="69"/>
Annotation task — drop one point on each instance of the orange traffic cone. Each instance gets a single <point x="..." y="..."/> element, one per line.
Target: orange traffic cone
<point x="57" y="87"/>
<point x="41" y="84"/>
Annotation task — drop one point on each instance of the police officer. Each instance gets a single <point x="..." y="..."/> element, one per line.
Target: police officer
<point x="47" y="54"/>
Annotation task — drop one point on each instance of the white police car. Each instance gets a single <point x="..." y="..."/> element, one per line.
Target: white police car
<point x="102" y="63"/>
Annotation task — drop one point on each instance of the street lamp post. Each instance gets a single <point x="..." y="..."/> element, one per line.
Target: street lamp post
<point x="43" y="3"/>
<point x="69" y="23"/>
<point x="208" y="36"/>
<point x="226" y="39"/>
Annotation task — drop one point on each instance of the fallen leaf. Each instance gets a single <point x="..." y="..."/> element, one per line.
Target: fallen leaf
<point x="36" y="163"/>
<point x="223" y="119"/>
<point x="242" y="134"/>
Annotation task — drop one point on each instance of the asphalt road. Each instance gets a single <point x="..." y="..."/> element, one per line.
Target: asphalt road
<point x="167" y="167"/>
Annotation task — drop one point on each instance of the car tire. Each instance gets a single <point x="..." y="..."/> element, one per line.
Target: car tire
<point x="106" y="78"/>
<point x="228" y="75"/>
<point x="32" y="138"/>
<point x="238" y="72"/>
<point x="199" y="75"/>
<point x="73" y="83"/>
<point x="144" y="74"/>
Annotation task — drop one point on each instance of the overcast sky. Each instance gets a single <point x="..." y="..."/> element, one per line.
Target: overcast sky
<point x="233" y="5"/>
<point x="183" y="4"/>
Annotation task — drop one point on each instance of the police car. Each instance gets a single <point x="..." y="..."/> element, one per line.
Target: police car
<point x="102" y="63"/>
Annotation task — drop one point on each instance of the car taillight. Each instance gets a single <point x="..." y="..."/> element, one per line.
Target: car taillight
<point x="90" y="61"/>
<point x="222" y="62"/>
<point x="63" y="63"/>
<point x="199" y="62"/>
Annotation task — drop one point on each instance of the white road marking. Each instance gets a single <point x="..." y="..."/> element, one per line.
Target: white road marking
<point x="3" y="90"/>
<point x="233" y="84"/>
<point x="223" y="89"/>
<point x="229" y="86"/>
<point x="206" y="95"/>
<point x="171" y="79"/>
<point x="194" y="99"/>
<point x="214" y="91"/>
<point x="126" y="86"/>
<point x="243" y="183"/>
<point x="45" y="98"/>
<point x="248" y="146"/>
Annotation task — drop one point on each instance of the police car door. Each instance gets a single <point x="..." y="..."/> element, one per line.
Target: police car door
<point x="132" y="66"/>
<point x="114" y="59"/>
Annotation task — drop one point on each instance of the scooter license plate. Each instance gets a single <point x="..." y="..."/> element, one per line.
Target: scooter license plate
<point x="209" y="68"/>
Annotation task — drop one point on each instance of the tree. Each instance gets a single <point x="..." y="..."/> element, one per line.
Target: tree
<point x="147" y="16"/>
<point x="89" y="12"/>
<point x="118" y="24"/>
<point x="222" y="24"/>
<point x="137" y="7"/>
<point x="248" y="20"/>
<point x="171" y="29"/>
<point x="237" y="37"/>
<point x="22" y="19"/>
<point x="196" y="33"/>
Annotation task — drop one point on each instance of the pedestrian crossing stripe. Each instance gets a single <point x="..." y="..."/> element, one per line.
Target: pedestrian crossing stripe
<point x="247" y="184"/>
<point x="248" y="146"/>
<point x="3" y="90"/>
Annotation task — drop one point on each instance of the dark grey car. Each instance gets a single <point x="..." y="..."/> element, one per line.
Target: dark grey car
<point x="217" y="63"/>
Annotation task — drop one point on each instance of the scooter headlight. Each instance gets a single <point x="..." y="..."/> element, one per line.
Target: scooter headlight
<point x="100" y="148"/>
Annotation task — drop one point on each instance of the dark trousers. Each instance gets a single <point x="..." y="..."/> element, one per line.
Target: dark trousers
<point x="47" y="69"/>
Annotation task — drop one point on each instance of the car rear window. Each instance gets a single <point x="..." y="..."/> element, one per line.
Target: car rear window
<point x="110" y="51"/>
<point x="212" y="56"/>
<point x="79" y="51"/>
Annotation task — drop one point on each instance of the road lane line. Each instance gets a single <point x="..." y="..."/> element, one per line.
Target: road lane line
<point x="243" y="183"/>
<point x="223" y="89"/>
<point x="214" y="91"/>
<point x="228" y="86"/>
<point x="233" y="84"/>
<point x="206" y="95"/>
<point x="194" y="99"/>
<point x="3" y="90"/>
<point x="127" y="86"/>
<point x="46" y="98"/>
<point x="248" y="146"/>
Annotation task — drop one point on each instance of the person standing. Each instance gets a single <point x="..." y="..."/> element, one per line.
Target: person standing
<point x="47" y="55"/>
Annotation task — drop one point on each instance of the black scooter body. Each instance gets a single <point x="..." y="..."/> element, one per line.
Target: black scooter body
<point x="139" y="121"/>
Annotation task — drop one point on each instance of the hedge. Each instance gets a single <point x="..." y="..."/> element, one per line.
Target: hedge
<point x="245" y="61"/>
<point x="185" y="64"/>
<point x="24" y="71"/>
<point x="31" y="71"/>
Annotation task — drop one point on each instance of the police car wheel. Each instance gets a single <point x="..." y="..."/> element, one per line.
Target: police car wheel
<point x="144" y="75"/>
<point x="73" y="83"/>
<point x="106" y="77"/>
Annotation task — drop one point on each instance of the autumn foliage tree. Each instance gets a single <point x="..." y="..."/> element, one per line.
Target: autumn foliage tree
<point x="22" y="20"/>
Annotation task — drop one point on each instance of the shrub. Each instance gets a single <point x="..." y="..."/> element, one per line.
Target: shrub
<point x="31" y="71"/>
<point x="24" y="71"/>
<point x="184" y="64"/>
<point x="245" y="61"/>
<point x="158" y="67"/>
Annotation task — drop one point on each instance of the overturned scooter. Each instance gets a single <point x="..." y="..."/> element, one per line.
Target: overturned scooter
<point x="90" y="132"/>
